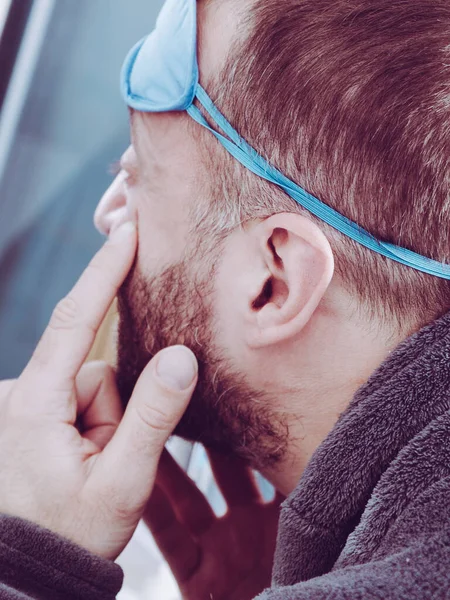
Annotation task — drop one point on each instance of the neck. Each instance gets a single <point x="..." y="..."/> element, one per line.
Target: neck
<point x="337" y="356"/>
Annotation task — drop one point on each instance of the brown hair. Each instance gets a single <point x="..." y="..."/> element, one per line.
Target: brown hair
<point x="352" y="101"/>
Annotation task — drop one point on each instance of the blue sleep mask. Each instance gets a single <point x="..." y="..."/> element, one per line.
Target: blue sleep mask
<point x="161" y="74"/>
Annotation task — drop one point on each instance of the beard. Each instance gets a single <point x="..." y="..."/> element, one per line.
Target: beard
<point x="225" y="413"/>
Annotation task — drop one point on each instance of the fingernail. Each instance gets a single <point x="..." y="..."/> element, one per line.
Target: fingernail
<point x="124" y="230"/>
<point x="177" y="367"/>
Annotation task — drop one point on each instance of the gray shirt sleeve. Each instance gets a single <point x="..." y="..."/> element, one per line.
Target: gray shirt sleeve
<point x="36" y="563"/>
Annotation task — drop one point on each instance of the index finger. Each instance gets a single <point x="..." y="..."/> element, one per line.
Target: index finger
<point x="76" y="319"/>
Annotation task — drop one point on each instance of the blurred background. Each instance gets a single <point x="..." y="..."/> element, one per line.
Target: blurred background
<point x="62" y="123"/>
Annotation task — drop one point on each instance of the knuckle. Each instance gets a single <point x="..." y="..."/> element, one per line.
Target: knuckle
<point x="120" y="508"/>
<point x="65" y="314"/>
<point x="154" y="418"/>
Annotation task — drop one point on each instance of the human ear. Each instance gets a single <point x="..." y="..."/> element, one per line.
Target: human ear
<point x="298" y="267"/>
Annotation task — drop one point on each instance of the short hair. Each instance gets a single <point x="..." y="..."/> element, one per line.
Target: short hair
<point x="351" y="100"/>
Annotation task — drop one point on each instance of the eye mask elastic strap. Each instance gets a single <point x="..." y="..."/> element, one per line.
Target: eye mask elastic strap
<point x="253" y="161"/>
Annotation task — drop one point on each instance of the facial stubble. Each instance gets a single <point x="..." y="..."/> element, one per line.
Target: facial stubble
<point x="225" y="413"/>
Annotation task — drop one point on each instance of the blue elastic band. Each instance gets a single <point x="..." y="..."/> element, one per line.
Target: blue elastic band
<point x="253" y="161"/>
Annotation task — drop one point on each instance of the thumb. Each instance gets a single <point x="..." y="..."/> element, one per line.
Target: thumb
<point x="125" y="472"/>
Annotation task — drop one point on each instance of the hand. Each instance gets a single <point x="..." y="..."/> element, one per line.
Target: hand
<point x="68" y="461"/>
<point x="227" y="558"/>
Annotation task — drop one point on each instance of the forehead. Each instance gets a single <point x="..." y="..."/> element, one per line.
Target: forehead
<point x="220" y="24"/>
<point x="167" y="135"/>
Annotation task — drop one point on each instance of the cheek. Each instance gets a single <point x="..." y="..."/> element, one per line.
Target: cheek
<point x="163" y="225"/>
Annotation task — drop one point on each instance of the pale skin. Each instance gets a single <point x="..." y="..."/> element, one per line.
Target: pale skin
<point x="84" y="470"/>
<point x="309" y="345"/>
<point x="69" y="459"/>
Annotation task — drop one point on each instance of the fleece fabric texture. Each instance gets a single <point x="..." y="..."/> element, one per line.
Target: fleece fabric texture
<point x="35" y="563"/>
<point x="370" y="518"/>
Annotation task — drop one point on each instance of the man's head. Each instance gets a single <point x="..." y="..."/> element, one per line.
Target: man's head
<point x="352" y="103"/>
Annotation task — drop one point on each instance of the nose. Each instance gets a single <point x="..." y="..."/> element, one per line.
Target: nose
<point x="112" y="209"/>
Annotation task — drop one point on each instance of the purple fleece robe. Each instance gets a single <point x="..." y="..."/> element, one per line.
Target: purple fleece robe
<point x="370" y="518"/>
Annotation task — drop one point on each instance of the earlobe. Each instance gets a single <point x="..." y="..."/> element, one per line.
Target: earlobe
<point x="299" y="266"/>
